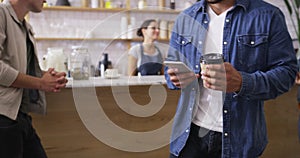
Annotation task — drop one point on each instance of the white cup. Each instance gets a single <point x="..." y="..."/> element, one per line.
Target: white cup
<point x="111" y="72"/>
<point x="94" y="3"/>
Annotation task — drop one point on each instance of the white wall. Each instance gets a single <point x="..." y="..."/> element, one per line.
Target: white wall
<point x="103" y="25"/>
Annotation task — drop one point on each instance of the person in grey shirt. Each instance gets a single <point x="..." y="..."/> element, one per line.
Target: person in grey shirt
<point x="22" y="83"/>
<point x="147" y="58"/>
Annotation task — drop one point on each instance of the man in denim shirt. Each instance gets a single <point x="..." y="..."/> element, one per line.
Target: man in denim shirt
<point x="260" y="64"/>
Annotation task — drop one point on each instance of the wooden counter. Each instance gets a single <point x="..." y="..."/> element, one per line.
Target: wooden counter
<point x="65" y="136"/>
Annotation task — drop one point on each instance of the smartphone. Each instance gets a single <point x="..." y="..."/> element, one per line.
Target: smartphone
<point x="182" y="67"/>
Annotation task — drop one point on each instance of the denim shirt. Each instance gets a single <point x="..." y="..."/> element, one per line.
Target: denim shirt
<point x="257" y="43"/>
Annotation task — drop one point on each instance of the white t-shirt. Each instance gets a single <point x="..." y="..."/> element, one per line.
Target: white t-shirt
<point x="210" y="102"/>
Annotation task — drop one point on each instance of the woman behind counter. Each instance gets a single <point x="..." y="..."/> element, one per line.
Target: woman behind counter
<point x="147" y="58"/>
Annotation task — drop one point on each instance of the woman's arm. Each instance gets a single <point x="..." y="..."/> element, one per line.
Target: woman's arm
<point x="132" y="68"/>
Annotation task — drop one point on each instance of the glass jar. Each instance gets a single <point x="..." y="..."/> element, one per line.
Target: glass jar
<point x="56" y="59"/>
<point x="80" y="63"/>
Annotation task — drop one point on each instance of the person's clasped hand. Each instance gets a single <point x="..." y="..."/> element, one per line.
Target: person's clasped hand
<point x="181" y="79"/>
<point x="53" y="81"/>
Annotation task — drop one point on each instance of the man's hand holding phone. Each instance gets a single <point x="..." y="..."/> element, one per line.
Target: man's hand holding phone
<point x="180" y="74"/>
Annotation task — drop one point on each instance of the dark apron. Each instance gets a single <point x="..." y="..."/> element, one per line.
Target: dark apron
<point x="150" y="65"/>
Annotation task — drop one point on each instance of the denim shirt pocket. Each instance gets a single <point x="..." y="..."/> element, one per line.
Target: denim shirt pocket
<point x="252" y="51"/>
<point x="184" y="39"/>
<point x="185" y="45"/>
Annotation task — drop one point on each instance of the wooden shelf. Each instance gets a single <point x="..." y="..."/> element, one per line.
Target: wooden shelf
<point x="146" y="10"/>
<point x="156" y="10"/>
<point x="93" y="39"/>
<point x="76" y="39"/>
<point x="67" y="8"/>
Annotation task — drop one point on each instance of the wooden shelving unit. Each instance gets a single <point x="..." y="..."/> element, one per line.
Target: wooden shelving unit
<point x="94" y="39"/>
<point x="99" y="40"/>
<point x="145" y="10"/>
<point x="67" y="8"/>
<point x="127" y="10"/>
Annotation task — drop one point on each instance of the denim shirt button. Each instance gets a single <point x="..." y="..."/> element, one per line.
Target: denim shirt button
<point x="205" y="22"/>
<point x="191" y="109"/>
<point x="227" y="20"/>
<point x="225" y="134"/>
<point x="187" y="131"/>
<point x="225" y="43"/>
<point x="182" y="42"/>
<point x="252" y="42"/>
<point x="225" y="111"/>
<point x="200" y="42"/>
<point x="197" y="66"/>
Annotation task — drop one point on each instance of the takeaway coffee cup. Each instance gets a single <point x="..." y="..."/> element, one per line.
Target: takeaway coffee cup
<point x="210" y="58"/>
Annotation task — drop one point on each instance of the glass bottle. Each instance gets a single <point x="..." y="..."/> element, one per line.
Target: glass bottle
<point x="172" y="4"/>
<point x="79" y="63"/>
<point x="104" y="64"/>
